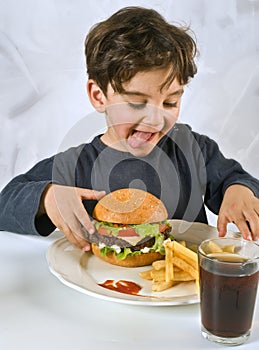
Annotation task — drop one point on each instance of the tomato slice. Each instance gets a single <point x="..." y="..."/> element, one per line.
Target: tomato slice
<point x="103" y="231"/>
<point x="125" y="232"/>
<point x="163" y="227"/>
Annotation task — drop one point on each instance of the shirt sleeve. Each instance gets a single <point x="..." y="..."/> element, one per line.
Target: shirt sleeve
<point x="20" y="200"/>
<point x="221" y="173"/>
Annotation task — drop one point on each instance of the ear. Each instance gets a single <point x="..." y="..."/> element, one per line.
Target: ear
<point x="96" y="96"/>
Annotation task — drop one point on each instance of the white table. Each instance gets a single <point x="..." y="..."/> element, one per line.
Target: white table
<point x="38" y="312"/>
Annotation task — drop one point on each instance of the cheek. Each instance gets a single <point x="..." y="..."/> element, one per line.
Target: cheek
<point x="120" y="126"/>
<point x="171" y="118"/>
<point x="121" y="114"/>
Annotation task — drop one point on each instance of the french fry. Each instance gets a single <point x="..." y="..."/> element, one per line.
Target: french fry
<point x="146" y="274"/>
<point x="159" y="264"/>
<point x="185" y="254"/>
<point x="176" y="268"/>
<point x="227" y="256"/>
<point x="182" y="276"/>
<point x="180" y="265"/>
<point x="186" y="267"/>
<point x="214" y="247"/>
<point x="160" y="286"/>
<point x="229" y="248"/>
<point x="169" y="267"/>
<point x="193" y="247"/>
<point x="158" y="275"/>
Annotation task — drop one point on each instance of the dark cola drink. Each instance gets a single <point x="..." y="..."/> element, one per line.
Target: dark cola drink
<point x="228" y="293"/>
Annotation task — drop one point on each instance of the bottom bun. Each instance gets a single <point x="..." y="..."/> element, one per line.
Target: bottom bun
<point x="143" y="259"/>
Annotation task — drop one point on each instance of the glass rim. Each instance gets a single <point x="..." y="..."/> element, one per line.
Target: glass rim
<point x="241" y="240"/>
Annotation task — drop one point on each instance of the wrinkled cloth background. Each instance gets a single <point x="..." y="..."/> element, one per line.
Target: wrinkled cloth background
<point x="43" y="76"/>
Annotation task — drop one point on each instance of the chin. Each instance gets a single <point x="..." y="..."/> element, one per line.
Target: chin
<point x="141" y="151"/>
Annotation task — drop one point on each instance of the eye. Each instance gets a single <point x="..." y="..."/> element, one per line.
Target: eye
<point x="137" y="105"/>
<point x="170" y="105"/>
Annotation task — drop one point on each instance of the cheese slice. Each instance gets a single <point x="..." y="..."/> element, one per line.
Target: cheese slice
<point x="133" y="240"/>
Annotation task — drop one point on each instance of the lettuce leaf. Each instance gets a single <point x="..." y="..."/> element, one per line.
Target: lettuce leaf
<point x="142" y="230"/>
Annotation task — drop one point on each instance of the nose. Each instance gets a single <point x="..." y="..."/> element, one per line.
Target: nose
<point x="154" y="117"/>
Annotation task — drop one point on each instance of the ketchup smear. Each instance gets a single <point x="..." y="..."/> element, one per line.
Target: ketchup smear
<point x="122" y="286"/>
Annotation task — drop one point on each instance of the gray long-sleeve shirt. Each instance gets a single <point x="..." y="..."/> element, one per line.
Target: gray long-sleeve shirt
<point x="185" y="169"/>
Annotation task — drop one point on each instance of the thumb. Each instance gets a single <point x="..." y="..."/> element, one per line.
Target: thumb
<point x="90" y="194"/>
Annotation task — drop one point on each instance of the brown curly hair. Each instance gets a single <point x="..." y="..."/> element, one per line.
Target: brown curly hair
<point x="136" y="39"/>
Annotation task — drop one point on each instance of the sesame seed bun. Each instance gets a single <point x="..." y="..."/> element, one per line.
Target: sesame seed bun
<point x="130" y="206"/>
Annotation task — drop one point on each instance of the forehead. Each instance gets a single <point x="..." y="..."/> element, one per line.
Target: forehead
<point x="150" y="82"/>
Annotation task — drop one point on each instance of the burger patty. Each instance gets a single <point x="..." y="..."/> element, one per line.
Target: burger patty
<point x="109" y="241"/>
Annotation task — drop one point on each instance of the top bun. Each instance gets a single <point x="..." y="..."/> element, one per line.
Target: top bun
<point x="130" y="206"/>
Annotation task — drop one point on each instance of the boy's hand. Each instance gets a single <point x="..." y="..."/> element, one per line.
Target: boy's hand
<point x="241" y="207"/>
<point x="64" y="207"/>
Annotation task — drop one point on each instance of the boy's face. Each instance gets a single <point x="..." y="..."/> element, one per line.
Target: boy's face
<point x="143" y="114"/>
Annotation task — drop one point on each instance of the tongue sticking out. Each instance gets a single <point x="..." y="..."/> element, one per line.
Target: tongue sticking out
<point x="138" y="138"/>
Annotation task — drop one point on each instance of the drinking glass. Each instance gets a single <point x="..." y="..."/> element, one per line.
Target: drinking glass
<point x="228" y="286"/>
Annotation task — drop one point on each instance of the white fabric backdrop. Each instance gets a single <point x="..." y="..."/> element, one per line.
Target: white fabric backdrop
<point x="42" y="75"/>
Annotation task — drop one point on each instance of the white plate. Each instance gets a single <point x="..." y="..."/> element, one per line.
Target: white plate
<point x="84" y="271"/>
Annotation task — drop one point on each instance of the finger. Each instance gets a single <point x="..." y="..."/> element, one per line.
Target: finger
<point x="87" y="247"/>
<point x="76" y="228"/>
<point x="76" y="239"/>
<point x="83" y="218"/>
<point x="80" y="242"/>
<point x="244" y="229"/>
<point x="74" y="213"/>
<point x="253" y="221"/>
<point x="69" y="235"/>
<point x="222" y="225"/>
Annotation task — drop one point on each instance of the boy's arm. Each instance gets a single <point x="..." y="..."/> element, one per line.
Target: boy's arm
<point x="21" y="207"/>
<point x="45" y="198"/>
<point x="231" y="192"/>
<point x="20" y="201"/>
<point x="221" y="173"/>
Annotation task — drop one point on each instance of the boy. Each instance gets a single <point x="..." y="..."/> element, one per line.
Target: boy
<point x="138" y="65"/>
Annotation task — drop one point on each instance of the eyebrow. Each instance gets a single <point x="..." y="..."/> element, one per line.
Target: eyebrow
<point x="142" y="94"/>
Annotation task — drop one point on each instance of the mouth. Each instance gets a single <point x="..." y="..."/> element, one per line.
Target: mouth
<point x="138" y="138"/>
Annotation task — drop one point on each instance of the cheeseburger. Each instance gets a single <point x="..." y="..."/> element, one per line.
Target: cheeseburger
<point x="131" y="226"/>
